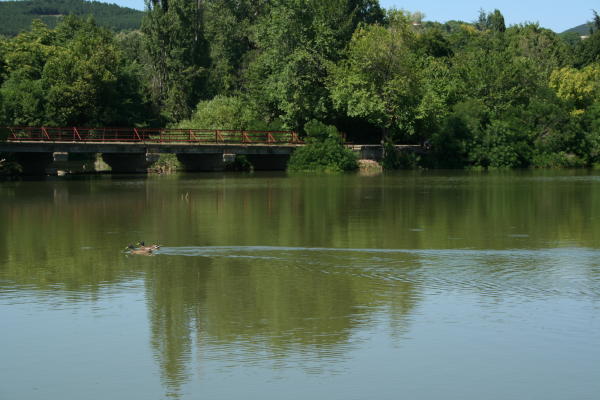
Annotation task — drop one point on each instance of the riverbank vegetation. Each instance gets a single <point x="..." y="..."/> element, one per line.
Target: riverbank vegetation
<point x="324" y="151"/>
<point x="477" y="94"/>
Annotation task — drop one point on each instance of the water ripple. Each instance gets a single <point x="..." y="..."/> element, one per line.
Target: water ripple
<point x="533" y="273"/>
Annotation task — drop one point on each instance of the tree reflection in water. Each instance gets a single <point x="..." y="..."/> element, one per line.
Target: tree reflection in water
<point x="273" y="307"/>
<point x="288" y="305"/>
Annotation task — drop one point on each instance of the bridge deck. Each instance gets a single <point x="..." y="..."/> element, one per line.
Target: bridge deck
<point x="15" y="146"/>
<point x="179" y="141"/>
<point x="146" y="135"/>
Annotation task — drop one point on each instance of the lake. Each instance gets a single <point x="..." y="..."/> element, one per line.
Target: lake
<point x="416" y="285"/>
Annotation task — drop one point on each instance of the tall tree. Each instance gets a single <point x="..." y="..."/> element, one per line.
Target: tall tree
<point x="295" y="43"/>
<point x="379" y="81"/>
<point x="178" y="53"/>
<point x="228" y="28"/>
<point x="542" y="46"/>
<point x="588" y="50"/>
<point x="580" y="87"/>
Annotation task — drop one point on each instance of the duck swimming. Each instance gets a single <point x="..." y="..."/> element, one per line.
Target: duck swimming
<point x="142" y="249"/>
<point x="153" y="247"/>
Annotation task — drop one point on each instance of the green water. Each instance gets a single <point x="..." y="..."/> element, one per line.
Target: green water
<point x="433" y="285"/>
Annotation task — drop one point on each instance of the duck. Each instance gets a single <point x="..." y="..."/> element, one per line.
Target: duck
<point x="142" y="246"/>
<point x="144" y="250"/>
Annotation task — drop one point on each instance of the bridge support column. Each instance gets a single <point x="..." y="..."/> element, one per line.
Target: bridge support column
<point x="269" y="162"/>
<point x="129" y="162"/>
<point x="203" y="162"/>
<point x="34" y="163"/>
<point x="369" y="152"/>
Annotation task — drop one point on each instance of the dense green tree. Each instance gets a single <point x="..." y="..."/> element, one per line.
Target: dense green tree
<point x="72" y="75"/>
<point x="296" y="42"/>
<point x="21" y="92"/>
<point x="221" y="112"/>
<point x="3" y="44"/>
<point x="542" y="46"/>
<point x="476" y="94"/>
<point x="591" y="129"/>
<point x="178" y="54"/>
<point x="495" y="77"/>
<point x="229" y="29"/>
<point x="588" y="50"/>
<point x="580" y="87"/>
<point x="493" y="21"/>
<point x="433" y="42"/>
<point x="379" y="80"/>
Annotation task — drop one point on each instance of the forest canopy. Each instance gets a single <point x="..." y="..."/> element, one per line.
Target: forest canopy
<point x="477" y="94"/>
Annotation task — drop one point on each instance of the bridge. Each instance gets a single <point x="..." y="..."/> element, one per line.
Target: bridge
<point x="135" y="149"/>
<point x="130" y="150"/>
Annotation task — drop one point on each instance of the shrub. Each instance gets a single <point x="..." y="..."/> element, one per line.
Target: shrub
<point x="558" y="160"/>
<point x="501" y="146"/>
<point x="166" y="164"/>
<point x="324" y="151"/>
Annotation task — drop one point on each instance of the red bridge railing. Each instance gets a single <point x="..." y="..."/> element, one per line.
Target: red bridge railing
<point x="149" y="135"/>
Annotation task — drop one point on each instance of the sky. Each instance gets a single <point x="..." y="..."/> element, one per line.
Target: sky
<point x="554" y="15"/>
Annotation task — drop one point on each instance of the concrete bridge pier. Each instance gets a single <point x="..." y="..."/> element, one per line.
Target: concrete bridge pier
<point x="369" y="152"/>
<point x="203" y="162"/>
<point x="123" y="163"/>
<point x="34" y="163"/>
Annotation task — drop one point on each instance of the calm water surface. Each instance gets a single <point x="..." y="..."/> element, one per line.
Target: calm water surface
<point x="418" y="285"/>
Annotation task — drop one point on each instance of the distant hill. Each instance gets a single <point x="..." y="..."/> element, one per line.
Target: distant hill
<point x="581" y="30"/>
<point x="16" y="16"/>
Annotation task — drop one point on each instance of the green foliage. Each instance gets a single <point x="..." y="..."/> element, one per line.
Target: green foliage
<point x="433" y="42"/>
<point x="590" y="124"/>
<point x="16" y="16"/>
<point x="449" y="146"/>
<point x="544" y="48"/>
<point x="324" y="151"/>
<point x="178" y="55"/>
<point x="296" y="41"/>
<point x="71" y="75"/>
<point x="379" y="81"/>
<point x="476" y="95"/>
<point x="320" y="131"/>
<point x="3" y="49"/>
<point x="166" y="164"/>
<point x="228" y="27"/>
<point x="493" y="21"/>
<point x="580" y="87"/>
<point x="224" y="112"/>
<point x="558" y="160"/>
<point x="588" y="50"/>
<point x="500" y="145"/>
